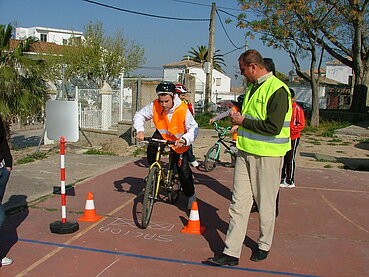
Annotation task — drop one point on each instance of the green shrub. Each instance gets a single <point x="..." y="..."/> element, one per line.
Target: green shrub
<point x="203" y="120"/>
<point x="31" y="158"/>
<point x="326" y="128"/>
<point x="98" y="152"/>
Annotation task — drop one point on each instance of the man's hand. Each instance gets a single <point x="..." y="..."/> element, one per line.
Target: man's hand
<point x="180" y="143"/>
<point x="237" y="118"/>
<point x="211" y="121"/>
<point x="140" y="136"/>
<point x="234" y="128"/>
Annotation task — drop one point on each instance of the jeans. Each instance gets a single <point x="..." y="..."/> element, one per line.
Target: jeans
<point x="191" y="156"/>
<point x="4" y="177"/>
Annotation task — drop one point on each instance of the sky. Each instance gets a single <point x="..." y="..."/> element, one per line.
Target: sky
<point x="164" y="40"/>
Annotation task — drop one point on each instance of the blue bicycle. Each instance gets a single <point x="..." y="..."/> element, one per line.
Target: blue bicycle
<point x="212" y="157"/>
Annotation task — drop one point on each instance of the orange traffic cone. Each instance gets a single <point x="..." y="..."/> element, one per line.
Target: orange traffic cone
<point x="193" y="224"/>
<point x="90" y="211"/>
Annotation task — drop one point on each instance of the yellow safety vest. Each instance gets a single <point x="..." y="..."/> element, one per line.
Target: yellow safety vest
<point x="255" y="108"/>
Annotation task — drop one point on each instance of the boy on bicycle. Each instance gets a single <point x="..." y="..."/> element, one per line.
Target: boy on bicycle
<point x="173" y="121"/>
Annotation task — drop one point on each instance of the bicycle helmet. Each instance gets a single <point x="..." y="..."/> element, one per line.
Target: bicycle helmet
<point x="181" y="89"/>
<point x="166" y="88"/>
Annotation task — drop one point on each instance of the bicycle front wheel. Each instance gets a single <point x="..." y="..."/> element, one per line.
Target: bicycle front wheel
<point x="212" y="158"/>
<point x="149" y="196"/>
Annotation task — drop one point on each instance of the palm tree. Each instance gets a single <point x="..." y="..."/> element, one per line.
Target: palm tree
<point x="200" y="55"/>
<point x="23" y="90"/>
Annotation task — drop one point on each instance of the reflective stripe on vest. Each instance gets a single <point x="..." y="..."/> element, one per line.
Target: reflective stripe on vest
<point x="285" y="123"/>
<point x="173" y="129"/>
<point x="255" y="108"/>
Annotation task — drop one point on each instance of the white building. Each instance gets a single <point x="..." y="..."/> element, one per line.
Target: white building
<point x="221" y="83"/>
<point x="339" y="72"/>
<point x="58" y="36"/>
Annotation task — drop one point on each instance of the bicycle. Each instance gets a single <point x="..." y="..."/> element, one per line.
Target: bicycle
<point x="212" y="157"/>
<point x="161" y="181"/>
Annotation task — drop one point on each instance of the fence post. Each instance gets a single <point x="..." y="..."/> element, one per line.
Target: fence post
<point x="121" y="96"/>
<point x="106" y="102"/>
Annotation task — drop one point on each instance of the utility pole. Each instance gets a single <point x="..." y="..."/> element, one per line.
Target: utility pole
<point x="209" y="65"/>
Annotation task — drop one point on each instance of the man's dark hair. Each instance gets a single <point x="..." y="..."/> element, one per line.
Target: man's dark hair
<point x="251" y="56"/>
<point x="269" y="65"/>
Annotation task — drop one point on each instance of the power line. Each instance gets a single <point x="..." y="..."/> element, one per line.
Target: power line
<point x="206" y="5"/>
<point x="228" y="13"/>
<point x="238" y="48"/>
<point x="225" y="31"/>
<point x="146" y="14"/>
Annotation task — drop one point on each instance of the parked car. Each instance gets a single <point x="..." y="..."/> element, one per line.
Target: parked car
<point x="199" y="106"/>
<point x="307" y="108"/>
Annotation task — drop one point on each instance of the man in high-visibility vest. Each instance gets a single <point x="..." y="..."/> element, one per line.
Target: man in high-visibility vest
<point x="173" y="121"/>
<point x="263" y="140"/>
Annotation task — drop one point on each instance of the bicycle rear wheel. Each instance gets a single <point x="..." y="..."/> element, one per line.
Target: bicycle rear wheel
<point x="149" y="196"/>
<point x="211" y="158"/>
<point x="174" y="188"/>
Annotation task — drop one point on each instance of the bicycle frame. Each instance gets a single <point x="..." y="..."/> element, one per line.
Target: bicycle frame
<point x="162" y="174"/>
<point x="221" y="132"/>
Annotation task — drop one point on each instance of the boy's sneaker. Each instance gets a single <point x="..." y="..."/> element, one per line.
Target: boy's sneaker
<point x="292" y="185"/>
<point x="6" y="261"/>
<point x="283" y="184"/>
<point x="287" y="185"/>
<point x="194" y="163"/>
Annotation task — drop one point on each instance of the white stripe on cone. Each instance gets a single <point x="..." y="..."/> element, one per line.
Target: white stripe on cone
<point x="194" y="215"/>
<point x="90" y="205"/>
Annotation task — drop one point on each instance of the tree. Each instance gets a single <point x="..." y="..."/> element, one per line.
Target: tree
<point x="23" y="89"/>
<point x="200" y="55"/>
<point x="100" y="58"/>
<point x="280" y="27"/>
<point x="339" y="27"/>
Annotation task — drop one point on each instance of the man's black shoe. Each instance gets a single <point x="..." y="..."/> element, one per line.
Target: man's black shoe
<point x="259" y="255"/>
<point x="224" y="259"/>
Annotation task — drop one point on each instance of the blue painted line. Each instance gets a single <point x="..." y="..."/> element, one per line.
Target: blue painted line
<point x="160" y="259"/>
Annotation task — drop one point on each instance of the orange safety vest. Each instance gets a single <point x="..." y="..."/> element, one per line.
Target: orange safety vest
<point x="174" y="129"/>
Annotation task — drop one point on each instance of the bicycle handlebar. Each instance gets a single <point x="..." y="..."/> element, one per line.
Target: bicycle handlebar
<point x="221" y="130"/>
<point x="163" y="141"/>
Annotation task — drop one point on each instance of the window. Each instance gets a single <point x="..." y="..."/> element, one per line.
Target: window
<point x="65" y="41"/>
<point x="350" y="80"/>
<point x="43" y="37"/>
<point x="218" y="82"/>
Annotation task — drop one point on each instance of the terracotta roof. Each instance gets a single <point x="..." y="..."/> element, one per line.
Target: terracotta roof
<point x="185" y="63"/>
<point x="322" y="71"/>
<point x="39" y="47"/>
<point x="323" y="80"/>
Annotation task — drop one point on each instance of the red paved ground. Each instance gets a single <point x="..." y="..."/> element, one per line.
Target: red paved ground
<point x="322" y="230"/>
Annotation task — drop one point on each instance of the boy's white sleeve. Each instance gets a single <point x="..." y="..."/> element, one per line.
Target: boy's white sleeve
<point x="145" y="114"/>
<point x="192" y="128"/>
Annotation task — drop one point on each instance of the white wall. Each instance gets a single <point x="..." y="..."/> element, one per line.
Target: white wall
<point x="304" y="94"/>
<point x="219" y="88"/>
<point x="339" y="73"/>
<point x="52" y="35"/>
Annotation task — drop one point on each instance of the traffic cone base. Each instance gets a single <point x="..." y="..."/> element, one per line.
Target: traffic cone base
<point x="193" y="224"/>
<point x="90" y="211"/>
